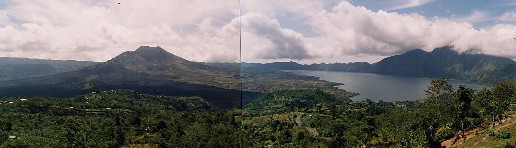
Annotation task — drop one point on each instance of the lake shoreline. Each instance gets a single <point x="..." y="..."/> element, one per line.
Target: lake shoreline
<point x="378" y="87"/>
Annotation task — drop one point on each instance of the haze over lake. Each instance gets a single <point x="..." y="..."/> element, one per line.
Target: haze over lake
<point x="380" y="87"/>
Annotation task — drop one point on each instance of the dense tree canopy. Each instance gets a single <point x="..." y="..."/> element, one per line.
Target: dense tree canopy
<point x="287" y="118"/>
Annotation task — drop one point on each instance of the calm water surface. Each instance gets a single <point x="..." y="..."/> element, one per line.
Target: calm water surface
<point x="380" y="87"/>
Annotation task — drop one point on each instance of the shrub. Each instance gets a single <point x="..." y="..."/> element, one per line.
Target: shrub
<point x="499" y="135"/>
<point x="504" y="135"/>
<point x="508" y="145"/>
<point x="491" y="133"/>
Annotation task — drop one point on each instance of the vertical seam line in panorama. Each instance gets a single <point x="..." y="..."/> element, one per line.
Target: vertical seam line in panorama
<point x="240" y="66"/>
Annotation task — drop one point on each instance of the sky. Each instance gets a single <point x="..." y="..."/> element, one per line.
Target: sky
<point x="98" y="30"/>
<point x="306" y="31"/>
<point x="331" y="31"/>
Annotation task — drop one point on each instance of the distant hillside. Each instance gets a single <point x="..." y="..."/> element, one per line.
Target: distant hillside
<point x="149" y="70"/>
<point x="152" y="70"/>
<point x="444" y="62"/>
<point x="441" y="62"/>
<point x="20" y="68"/>
<point x="256" y="81"/>
<point x="348" y="67"/>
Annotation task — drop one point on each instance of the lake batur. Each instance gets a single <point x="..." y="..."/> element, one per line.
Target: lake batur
<point x="380" y="87"/>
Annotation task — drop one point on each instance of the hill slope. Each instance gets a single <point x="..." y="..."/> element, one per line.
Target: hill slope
<point x="498" y="134"/>
<point x="147" y="70"/>
<point x="444" y="62"/>
<point x="441" y="62"/>
<point x="19" y="68"/>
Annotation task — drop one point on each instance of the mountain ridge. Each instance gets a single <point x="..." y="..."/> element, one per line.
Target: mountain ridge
<point x="148" y="70"/>
<point x="151" y="55"/>
<point x="12" y="68"/>
<point x="440" y="62"/>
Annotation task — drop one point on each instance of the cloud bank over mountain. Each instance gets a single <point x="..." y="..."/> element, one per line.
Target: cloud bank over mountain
<point x="100" y="29"/>
<point x="251" y="30"/>
<point x="345" y="30"/>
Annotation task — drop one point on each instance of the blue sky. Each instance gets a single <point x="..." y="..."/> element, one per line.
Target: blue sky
<point x="481" y="13"/>
<point x="490" y="9"/>
<point x="307" y="31"/>
<point x="369" y="30"/>
<point x="3" y="4"/>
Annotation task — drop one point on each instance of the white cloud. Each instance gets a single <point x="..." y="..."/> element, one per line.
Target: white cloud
<point x="100" y="29"/>
<point x="508" y="17"/>
<point x="263" y="37"/>
<point x="475" y="17"/>
<point x="274" y="8"/>
<point x="202" y="30"/>
<point x="410" y="4"/>
<point x="352" y="31"/>
<point x="356" y="30"/>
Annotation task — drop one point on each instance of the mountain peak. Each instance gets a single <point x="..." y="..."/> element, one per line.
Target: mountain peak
<point x="143" y="49"/>
<point x="415" y="51"/>
<point x="447" y="50"/>
<point x="145" y="57"/>
<point x="156" y="53"/>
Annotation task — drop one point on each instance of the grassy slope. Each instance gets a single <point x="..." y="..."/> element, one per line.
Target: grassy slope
<point x="482" y="138"/>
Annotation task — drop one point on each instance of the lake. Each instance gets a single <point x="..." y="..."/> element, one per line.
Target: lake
<point x="380" y="87"/>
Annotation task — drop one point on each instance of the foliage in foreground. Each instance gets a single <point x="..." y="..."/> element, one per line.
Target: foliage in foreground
<point x="314" y="118"/>
<point x="287" y="118"/>
<point x="116" y="119"/>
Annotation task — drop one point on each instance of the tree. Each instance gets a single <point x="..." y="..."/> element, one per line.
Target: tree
<point x="119" y="135"/>
<point x="484" y="102"/>
<point x="496" y="101"/>
<point x="428" y="123"/>
<point x="439" y="93"/>
<point x="464" y="98"/>
<point x="136" y="121"/>
<point x="439" y="90"/>
<point x="285" y="136"/>
<point x="8" y="126"/>
<point x="3" y="137"/>
<point x="504" y="90"/>
<point x="300" y="136"/>
<point x="161" y="125"/>
<point x="502" y="95"/>
<point x="75" y="135"/>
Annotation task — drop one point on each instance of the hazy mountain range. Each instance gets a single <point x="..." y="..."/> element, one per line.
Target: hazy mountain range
<point x="441" y="62"/>
<point x="18" y="68"/>
<point x="153" y="70"/>
<point x="148" y="69"/>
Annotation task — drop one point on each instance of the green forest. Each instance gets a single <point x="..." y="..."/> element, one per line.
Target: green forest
<point x="118" y="118"/>
<point x="284" y="118"/>
<point x="317" y="119"/>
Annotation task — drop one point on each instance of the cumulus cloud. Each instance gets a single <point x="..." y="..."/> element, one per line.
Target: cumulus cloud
<point x="274" y="8"/>
<point x="265" y="36"/>
<point x="354" y="31"/>
<point x="508" y="17"/>
<point x="210" y="31"/>
<point x="100" y="29"/>
<point x="475" y="17"/>
<point x="409" y="4"/>
<point x="265" y="40"/>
